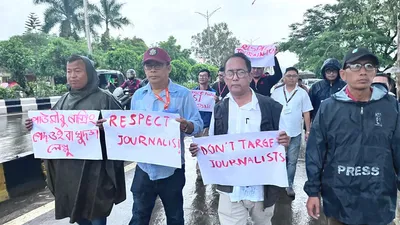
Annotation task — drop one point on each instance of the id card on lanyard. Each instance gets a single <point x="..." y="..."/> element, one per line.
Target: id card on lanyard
<point x="287" y="109"/>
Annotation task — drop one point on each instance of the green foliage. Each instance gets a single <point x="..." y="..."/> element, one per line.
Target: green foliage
<point x="223" y="44"/>
<point x="190" y="84"/>
<point x="9" y="93"/>
<point x="53" y="60"/>
<point x="331" y="30"/>
<point x="121" y="59"/>
<point x="180" y="71"/>
<point x="16" y="59"/>
<point x="110" y="14"/>
<point x="42" y="89"/>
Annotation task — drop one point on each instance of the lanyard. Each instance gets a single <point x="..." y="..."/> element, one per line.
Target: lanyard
<point x="167" y="99"/>
<point x="284" y="92"/>
<point x="219" y="88"/>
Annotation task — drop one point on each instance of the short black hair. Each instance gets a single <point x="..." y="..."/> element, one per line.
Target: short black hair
<point x="221" y="69"/>
<point x="242" y="56"/>
<point x="205" y="70"/>
<point x="291" y="69"/>
<point x="74" y="58"/>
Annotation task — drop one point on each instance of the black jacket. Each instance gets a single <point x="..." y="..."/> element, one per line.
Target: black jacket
<point x="353" y="158"/>
<point x="324" y="89"/>
<point x="265" y="83"/>
<point x="270" y="114"/>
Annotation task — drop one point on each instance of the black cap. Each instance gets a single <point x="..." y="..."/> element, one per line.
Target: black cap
<point x="358" y="53"/>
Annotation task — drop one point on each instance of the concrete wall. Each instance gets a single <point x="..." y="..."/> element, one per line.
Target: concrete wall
<point x="8" y="106"/>
<point x="25" y="173"/>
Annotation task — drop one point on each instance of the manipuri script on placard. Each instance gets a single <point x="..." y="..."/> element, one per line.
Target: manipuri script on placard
<point x="205" y="100"/>
<point x="141" y="136"/>
<point x="65" y="134"/>
<point x="242" y="159"/>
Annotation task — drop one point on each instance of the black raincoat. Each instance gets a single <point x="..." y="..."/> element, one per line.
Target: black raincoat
<point x="324" y="89"/>
<point x="86" y="189"/>
<point x="353" y="158"/>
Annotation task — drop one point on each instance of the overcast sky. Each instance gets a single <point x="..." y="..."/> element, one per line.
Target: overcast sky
<point x="155" y="20"/>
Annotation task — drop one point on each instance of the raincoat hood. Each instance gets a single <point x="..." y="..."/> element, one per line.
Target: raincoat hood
<point x="378" y="92"/>
<point x="92" y="86"/>
<point x="332" y="63"/>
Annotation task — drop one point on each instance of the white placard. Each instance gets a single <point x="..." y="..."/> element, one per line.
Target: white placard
<point x="65" y="134"/>
<point x="205" y="100"/>
<point x="141" y="136"/>
<point x="242" y="159"/>
<point x="259" y="55"/>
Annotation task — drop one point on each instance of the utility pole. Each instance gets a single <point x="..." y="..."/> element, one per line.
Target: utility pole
<point x="208" y="16"/>
<point x="251" y="41"/>
<point x="87" y="26"/>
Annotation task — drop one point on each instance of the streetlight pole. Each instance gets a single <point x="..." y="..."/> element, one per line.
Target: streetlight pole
<point x="87" y="26"/>
<point x="251" y="41"/>
<point x="208" y="16"/>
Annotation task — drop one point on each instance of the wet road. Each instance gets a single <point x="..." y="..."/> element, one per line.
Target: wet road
<point x="14" y="138"/>
<point x="200" y="203"/>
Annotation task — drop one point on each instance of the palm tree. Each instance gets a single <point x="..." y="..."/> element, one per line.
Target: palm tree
<point x="68" y="14"/>
<point x="110" y="14"/>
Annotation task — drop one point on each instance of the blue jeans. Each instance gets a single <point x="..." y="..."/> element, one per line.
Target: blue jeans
<point x="145" y="192"/>
<point x="102" y="221"/>
<point x="291" y="157"/>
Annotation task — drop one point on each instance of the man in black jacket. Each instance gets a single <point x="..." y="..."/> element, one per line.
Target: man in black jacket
<point x="353" y="151"/>
<point x="262" y="83"/>
<point x="243" y="111"/>
<point x="325" y="88"/>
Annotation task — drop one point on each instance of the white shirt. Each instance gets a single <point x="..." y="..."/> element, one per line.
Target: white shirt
<point x="243" y="119"/>
<point x="292" y="112"/>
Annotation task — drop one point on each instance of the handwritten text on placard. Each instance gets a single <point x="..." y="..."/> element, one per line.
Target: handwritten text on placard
<point x="259" y="55"/>
<point x="140" y="136"/>
<point x="65" y="134"/>
<point x="242" y="159"/>
<point x="205" y="100"/>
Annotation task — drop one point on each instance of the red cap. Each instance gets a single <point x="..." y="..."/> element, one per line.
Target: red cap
<point x="156" y="54"/>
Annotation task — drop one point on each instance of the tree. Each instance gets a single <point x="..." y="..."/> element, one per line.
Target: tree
<point x="33" y="24"/>
<point x="70" y="16"/>
<point x="331" y="30"/>
<point x="110" y="14"/>
<point x="223" y="44"/>
<point x="174" y="50"/>
<point x="52" y="61"/>
<point x="121" y="59"/>
<point x="16" y="59"/>
<point x="180" y="70"/>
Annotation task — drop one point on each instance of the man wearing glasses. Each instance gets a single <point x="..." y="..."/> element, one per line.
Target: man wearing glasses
<point x="244" y="111"/>
<point x="220" y="86"/>
<point x="353" y="151"/>
<point x="296" y="104"/>
<point x="325" y="88"/>
<point x="150" y="181"/>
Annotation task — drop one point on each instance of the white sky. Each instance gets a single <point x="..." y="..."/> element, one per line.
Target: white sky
<point x="155" y="20"/>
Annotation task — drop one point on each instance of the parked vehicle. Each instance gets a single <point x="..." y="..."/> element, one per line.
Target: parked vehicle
<point x="110" y="79"/>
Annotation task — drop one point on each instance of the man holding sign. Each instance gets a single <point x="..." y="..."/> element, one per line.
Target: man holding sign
<point x="84" y="190"/>
<point x="244" y="111"/>
<point x="204" y="80"/>
<point x="150" y="180"/>
<point x="262" y="56"/>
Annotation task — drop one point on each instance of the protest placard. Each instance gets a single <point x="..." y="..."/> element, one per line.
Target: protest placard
<point x="242" y="159"/>
<point x="140" y="136"/>
<point x="259" y="55"/>
<point x="205" y="100"/>
<point x="65" y="134"/>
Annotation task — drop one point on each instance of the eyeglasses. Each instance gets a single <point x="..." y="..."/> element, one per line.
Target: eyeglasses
<point x="156" y="66"/>
<point x="357" y="67"/>
<point x="230" y="74"/>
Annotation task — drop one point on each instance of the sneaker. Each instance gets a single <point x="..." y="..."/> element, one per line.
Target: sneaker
<point x="290" y="192"/>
